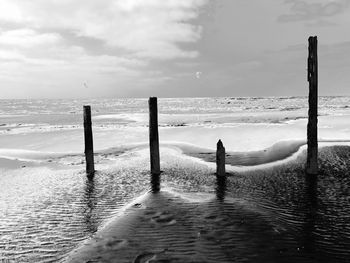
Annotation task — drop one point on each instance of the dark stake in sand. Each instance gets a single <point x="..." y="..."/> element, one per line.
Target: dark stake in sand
<point x="89" y="148"/>
<point x="154" y="142"/>
<point x="312" y="77"/>
<point x="220" y="159"/>
<point x="153" y="135"/>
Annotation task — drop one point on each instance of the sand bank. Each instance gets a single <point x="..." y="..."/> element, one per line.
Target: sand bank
<point x="165" y="227"/>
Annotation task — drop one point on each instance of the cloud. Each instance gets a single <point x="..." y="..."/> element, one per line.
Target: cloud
<point x="316" y="11"/>
<point x="150" y="29"/>
<point x="9" y="11"/>
<point x="115" y="43"/>
<point x="27" y="38"/>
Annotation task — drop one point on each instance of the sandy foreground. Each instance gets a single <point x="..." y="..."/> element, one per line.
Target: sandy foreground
<point x="213" y="227"/>
<point x="165" y="227"/>
<point x="268" y="213"/>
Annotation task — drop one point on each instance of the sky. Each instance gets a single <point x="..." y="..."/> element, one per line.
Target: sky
<point x="171" y="48"/>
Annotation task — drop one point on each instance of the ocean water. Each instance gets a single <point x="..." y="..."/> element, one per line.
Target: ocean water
<point x="55" y="125"/>
<point x="48" y="207"/>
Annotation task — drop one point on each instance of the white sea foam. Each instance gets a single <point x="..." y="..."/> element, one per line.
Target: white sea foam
<point x="130" y="117"/>
<point x="27" y="155"/>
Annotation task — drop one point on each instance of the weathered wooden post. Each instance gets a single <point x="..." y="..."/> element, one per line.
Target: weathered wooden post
<point x="220" y="171"/>
<point x="154" y="142"/>
<point x="89" y="148"/>
<point x="220" y="159"/>
<point x="312" y="77"/>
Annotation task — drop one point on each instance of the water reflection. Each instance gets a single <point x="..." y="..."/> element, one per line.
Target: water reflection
<point x="90" y="201"/>
<point x="220" y="187"/>
<point x="155" y="183"/>
<point x="310" y="208"/>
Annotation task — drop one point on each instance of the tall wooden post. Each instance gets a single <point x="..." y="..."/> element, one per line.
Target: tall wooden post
<point x="312" y="76"/>
<point x="220" y="171"/>
<point x="153" y="136"/>
<point x="220" y="159"/>
<point x="89" y="148"/>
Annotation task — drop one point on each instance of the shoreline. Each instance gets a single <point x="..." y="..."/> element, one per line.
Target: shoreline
<point x="275" y="155"/>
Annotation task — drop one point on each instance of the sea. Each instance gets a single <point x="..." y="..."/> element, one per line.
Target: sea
<point x="49" y="208"/>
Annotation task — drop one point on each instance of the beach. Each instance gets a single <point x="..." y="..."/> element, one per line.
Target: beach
<point x="267" y="210"/>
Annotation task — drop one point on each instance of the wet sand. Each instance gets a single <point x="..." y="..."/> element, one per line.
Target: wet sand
<point x="277" y="152"/>
<point x="269" y="215"/>
<point x="164" y="227"/>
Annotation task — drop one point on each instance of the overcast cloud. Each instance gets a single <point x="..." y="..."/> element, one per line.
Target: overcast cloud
<point x="135" y="48"/>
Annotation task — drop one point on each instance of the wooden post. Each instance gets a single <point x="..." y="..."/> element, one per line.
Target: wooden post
<point x="89" y="148"/>
<point x="220" y="159"/>
<point x="153" y="136"/>
<point x="312" y="76"/>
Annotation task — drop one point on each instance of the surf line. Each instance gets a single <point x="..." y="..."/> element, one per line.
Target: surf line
<point x="277" y="152"/>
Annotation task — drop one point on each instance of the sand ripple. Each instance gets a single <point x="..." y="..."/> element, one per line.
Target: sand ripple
<point x="266" y="215"/>
<point x="45" y="213"/>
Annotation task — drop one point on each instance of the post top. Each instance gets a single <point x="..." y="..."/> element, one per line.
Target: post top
<point x="313" y="38"/>
<point x="219" y="144"/>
